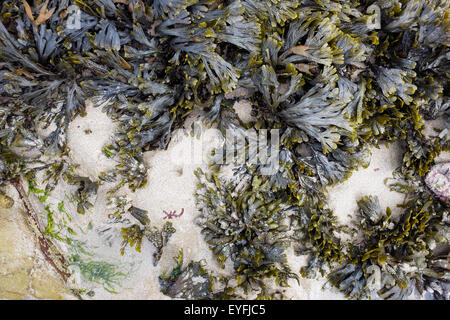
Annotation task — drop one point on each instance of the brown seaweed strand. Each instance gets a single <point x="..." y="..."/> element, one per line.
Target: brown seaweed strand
<point x="48" y="249"/>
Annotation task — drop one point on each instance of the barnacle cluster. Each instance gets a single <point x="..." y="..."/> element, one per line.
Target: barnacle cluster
<point x="334" y="77"/>
<point x="133" y="235"/>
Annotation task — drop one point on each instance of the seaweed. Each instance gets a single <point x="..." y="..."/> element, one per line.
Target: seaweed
<point x="186" y="282"/>
<point x="333" y="78"/>
<point x="390" y="257"/>
<point x="134" y="234"/>
<point x="246" y="226"/>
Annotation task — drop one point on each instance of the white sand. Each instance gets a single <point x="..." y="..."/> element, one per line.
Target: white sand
<point x="171" y="185"/>
<point x="343" y="198"/>
<point x="87" y="149"/>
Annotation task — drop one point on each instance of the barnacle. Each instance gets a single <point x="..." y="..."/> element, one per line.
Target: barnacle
<point x="330" y="78"/>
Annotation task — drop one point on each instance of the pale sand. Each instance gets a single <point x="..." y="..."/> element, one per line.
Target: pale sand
<point x="171" y="185"/>
<point x="167" y="189"/>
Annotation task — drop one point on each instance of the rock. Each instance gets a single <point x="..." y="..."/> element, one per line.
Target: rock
<point x="438" y="180"/>
<point x="5" y="201"/>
